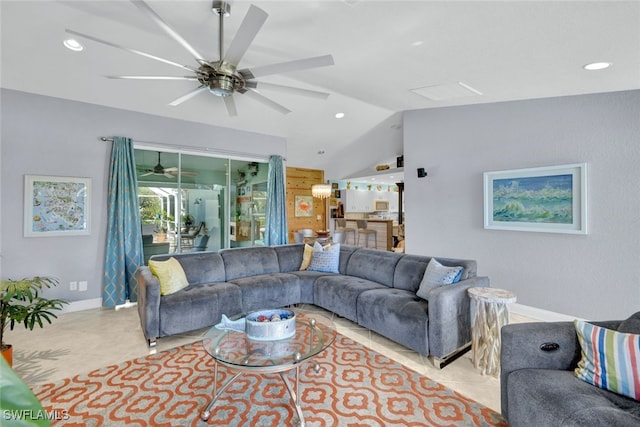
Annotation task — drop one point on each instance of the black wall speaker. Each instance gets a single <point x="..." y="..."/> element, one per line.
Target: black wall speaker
<point x="422" y="173"/>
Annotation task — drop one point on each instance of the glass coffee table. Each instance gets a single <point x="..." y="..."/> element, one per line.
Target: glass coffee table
<point x="233" y="350"/>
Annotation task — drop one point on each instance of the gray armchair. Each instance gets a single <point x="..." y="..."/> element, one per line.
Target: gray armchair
<point x="538" y="386"/>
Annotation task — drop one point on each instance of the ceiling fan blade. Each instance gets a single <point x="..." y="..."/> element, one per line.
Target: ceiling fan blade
<point x="144" y="7"/>
<point x="171" y="169"/>
<point x="291" y="89"/>
<point x="285" y="67"/>
<point x="168" y="175"/>
<point x="147" y="174"/>
<point x="251" y="24"/>
<point x="137" y="52"/>
<point x="154" y="77"/>
<point x="188" y="95"/>
<point x="251" y="93"/>
<point x="230" y="103"/>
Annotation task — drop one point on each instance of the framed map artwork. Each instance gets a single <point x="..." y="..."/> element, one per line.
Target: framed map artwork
<point x="56" y="206"/>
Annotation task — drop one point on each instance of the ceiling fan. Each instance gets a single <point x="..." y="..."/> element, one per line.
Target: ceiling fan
<point x="222" y="78"/>
<point x="171" y="172"/>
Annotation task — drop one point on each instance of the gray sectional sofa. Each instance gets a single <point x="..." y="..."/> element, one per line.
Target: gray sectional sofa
<point x="376" y="289"/>
<point x="538" y="386"/>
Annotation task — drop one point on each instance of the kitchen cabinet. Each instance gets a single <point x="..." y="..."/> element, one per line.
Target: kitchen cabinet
<point x="357" y="200"/>
<point x="362" y="201"/>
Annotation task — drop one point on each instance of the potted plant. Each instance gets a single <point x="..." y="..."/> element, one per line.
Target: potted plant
<point x="20" y="302"/>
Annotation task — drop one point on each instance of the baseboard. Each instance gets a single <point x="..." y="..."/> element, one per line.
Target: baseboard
<point x="540" y="314"/>
<point x="85" y="304"/>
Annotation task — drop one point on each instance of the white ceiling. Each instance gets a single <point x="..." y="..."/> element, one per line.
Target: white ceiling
<point x="506" y="50"/>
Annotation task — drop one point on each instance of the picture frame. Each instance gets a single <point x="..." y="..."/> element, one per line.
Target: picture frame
<point x="550" y="199"/>
<point x="303" y="206"/>
<point x="56" y="206"/>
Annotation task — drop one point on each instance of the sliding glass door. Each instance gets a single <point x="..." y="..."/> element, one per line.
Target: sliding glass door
<point x="193" y="202"/>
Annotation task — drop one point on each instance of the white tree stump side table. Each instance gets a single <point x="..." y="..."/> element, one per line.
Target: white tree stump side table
<point x="489" y="313"/>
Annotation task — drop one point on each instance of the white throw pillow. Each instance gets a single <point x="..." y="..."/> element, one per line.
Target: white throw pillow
<point x="325" y="259"/>
<point x="435" y="275"/>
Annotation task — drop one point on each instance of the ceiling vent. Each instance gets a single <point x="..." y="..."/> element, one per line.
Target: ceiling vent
<point x="446" y="91"/>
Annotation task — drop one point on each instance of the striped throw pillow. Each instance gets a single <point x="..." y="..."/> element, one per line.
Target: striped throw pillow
<point x="610" y="359"/>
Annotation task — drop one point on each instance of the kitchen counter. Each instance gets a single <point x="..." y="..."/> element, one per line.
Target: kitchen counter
<point x="383" y="227"/>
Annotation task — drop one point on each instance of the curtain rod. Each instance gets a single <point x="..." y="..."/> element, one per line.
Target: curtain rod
<point x="237" y="154"/>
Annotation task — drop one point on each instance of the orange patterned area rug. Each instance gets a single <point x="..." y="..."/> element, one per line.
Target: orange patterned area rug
<point x="355" y="387"/>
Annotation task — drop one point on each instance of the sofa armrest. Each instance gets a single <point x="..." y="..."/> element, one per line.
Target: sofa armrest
<point x="522" y="348"/>
<point x="148" y="302"/>
<point x="450" y="316"/>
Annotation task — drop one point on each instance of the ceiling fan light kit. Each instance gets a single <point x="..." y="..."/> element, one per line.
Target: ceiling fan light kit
<point x="222" y="78"/>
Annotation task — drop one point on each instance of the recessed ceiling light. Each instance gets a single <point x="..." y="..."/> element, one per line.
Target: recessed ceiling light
<point x="594" y="66"/>
<point x="73" y="44"/>
<point x="417" y="43"/>
<point x="339" y="115"/>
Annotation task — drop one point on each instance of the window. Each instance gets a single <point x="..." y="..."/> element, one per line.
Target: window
<point x="184" y="197"/>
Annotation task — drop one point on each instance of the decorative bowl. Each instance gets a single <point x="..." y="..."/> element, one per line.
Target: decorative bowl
<point x="322" y="233"/>
<point x="268" y="325"/>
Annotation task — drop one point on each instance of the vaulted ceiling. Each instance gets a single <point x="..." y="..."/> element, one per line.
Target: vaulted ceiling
<point x="454" y="52"/>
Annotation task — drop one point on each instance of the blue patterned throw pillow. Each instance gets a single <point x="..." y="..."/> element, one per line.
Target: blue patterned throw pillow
<point x="325" y="260"/>
<point x="437" y="274"/>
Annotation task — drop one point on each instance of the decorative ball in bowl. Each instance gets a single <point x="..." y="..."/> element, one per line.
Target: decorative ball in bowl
<point x="268" y="325"/>
<point x="322" y="233"/>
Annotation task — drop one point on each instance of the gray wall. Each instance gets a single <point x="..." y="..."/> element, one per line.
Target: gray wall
<point x="596" y="276"/>
<point x="51" y="136"/>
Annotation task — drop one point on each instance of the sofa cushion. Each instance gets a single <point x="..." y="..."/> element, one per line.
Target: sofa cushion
<point x="631" y="325"/>
<point x="346" y="251"/>
<point x="557" y="398"/>
<point x="437" y="274"/>
<point x="398" y="315"/>
<point x="289" y="257"/>
<point x="272" y="290"/>
<point x="199" y="267"/>
<point x="409" y="272"/>
<point x="306" y="281"/>
<point x="170" y="274"/>
<point x="198" y="306"/>
<point x="325" y="259"/>
<point x="374" y="265"/>
<point x="610" y="359"/>
<point x="340" y="293"/>
<point x="246" y="262"/>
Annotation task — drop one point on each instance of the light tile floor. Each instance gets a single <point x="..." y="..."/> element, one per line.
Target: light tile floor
<point x="82" y="341"/>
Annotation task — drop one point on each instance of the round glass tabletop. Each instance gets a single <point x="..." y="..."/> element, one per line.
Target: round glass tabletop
<point x="314" y="333"/>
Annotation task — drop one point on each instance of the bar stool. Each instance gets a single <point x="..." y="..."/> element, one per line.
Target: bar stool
<point x="362" y="229"/>
<point x="342" y="227"/>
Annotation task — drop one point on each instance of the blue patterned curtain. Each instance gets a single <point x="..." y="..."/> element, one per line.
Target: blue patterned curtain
<point x="276" y="232"/>
<point x="124" y="236"/>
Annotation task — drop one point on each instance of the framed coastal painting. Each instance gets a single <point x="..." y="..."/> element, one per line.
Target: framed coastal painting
<point x="56" y="206"/>
<point x="303" y="206"/>
<point x="550" y="199"/>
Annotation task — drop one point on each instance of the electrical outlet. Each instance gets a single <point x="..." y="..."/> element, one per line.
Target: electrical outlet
<point x="82" y="285"/>
<point x="73" y="286"/>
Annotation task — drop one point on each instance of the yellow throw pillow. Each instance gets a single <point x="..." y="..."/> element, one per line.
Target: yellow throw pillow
<point x="170" y="274"/>
<point x="306" y="257"/>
